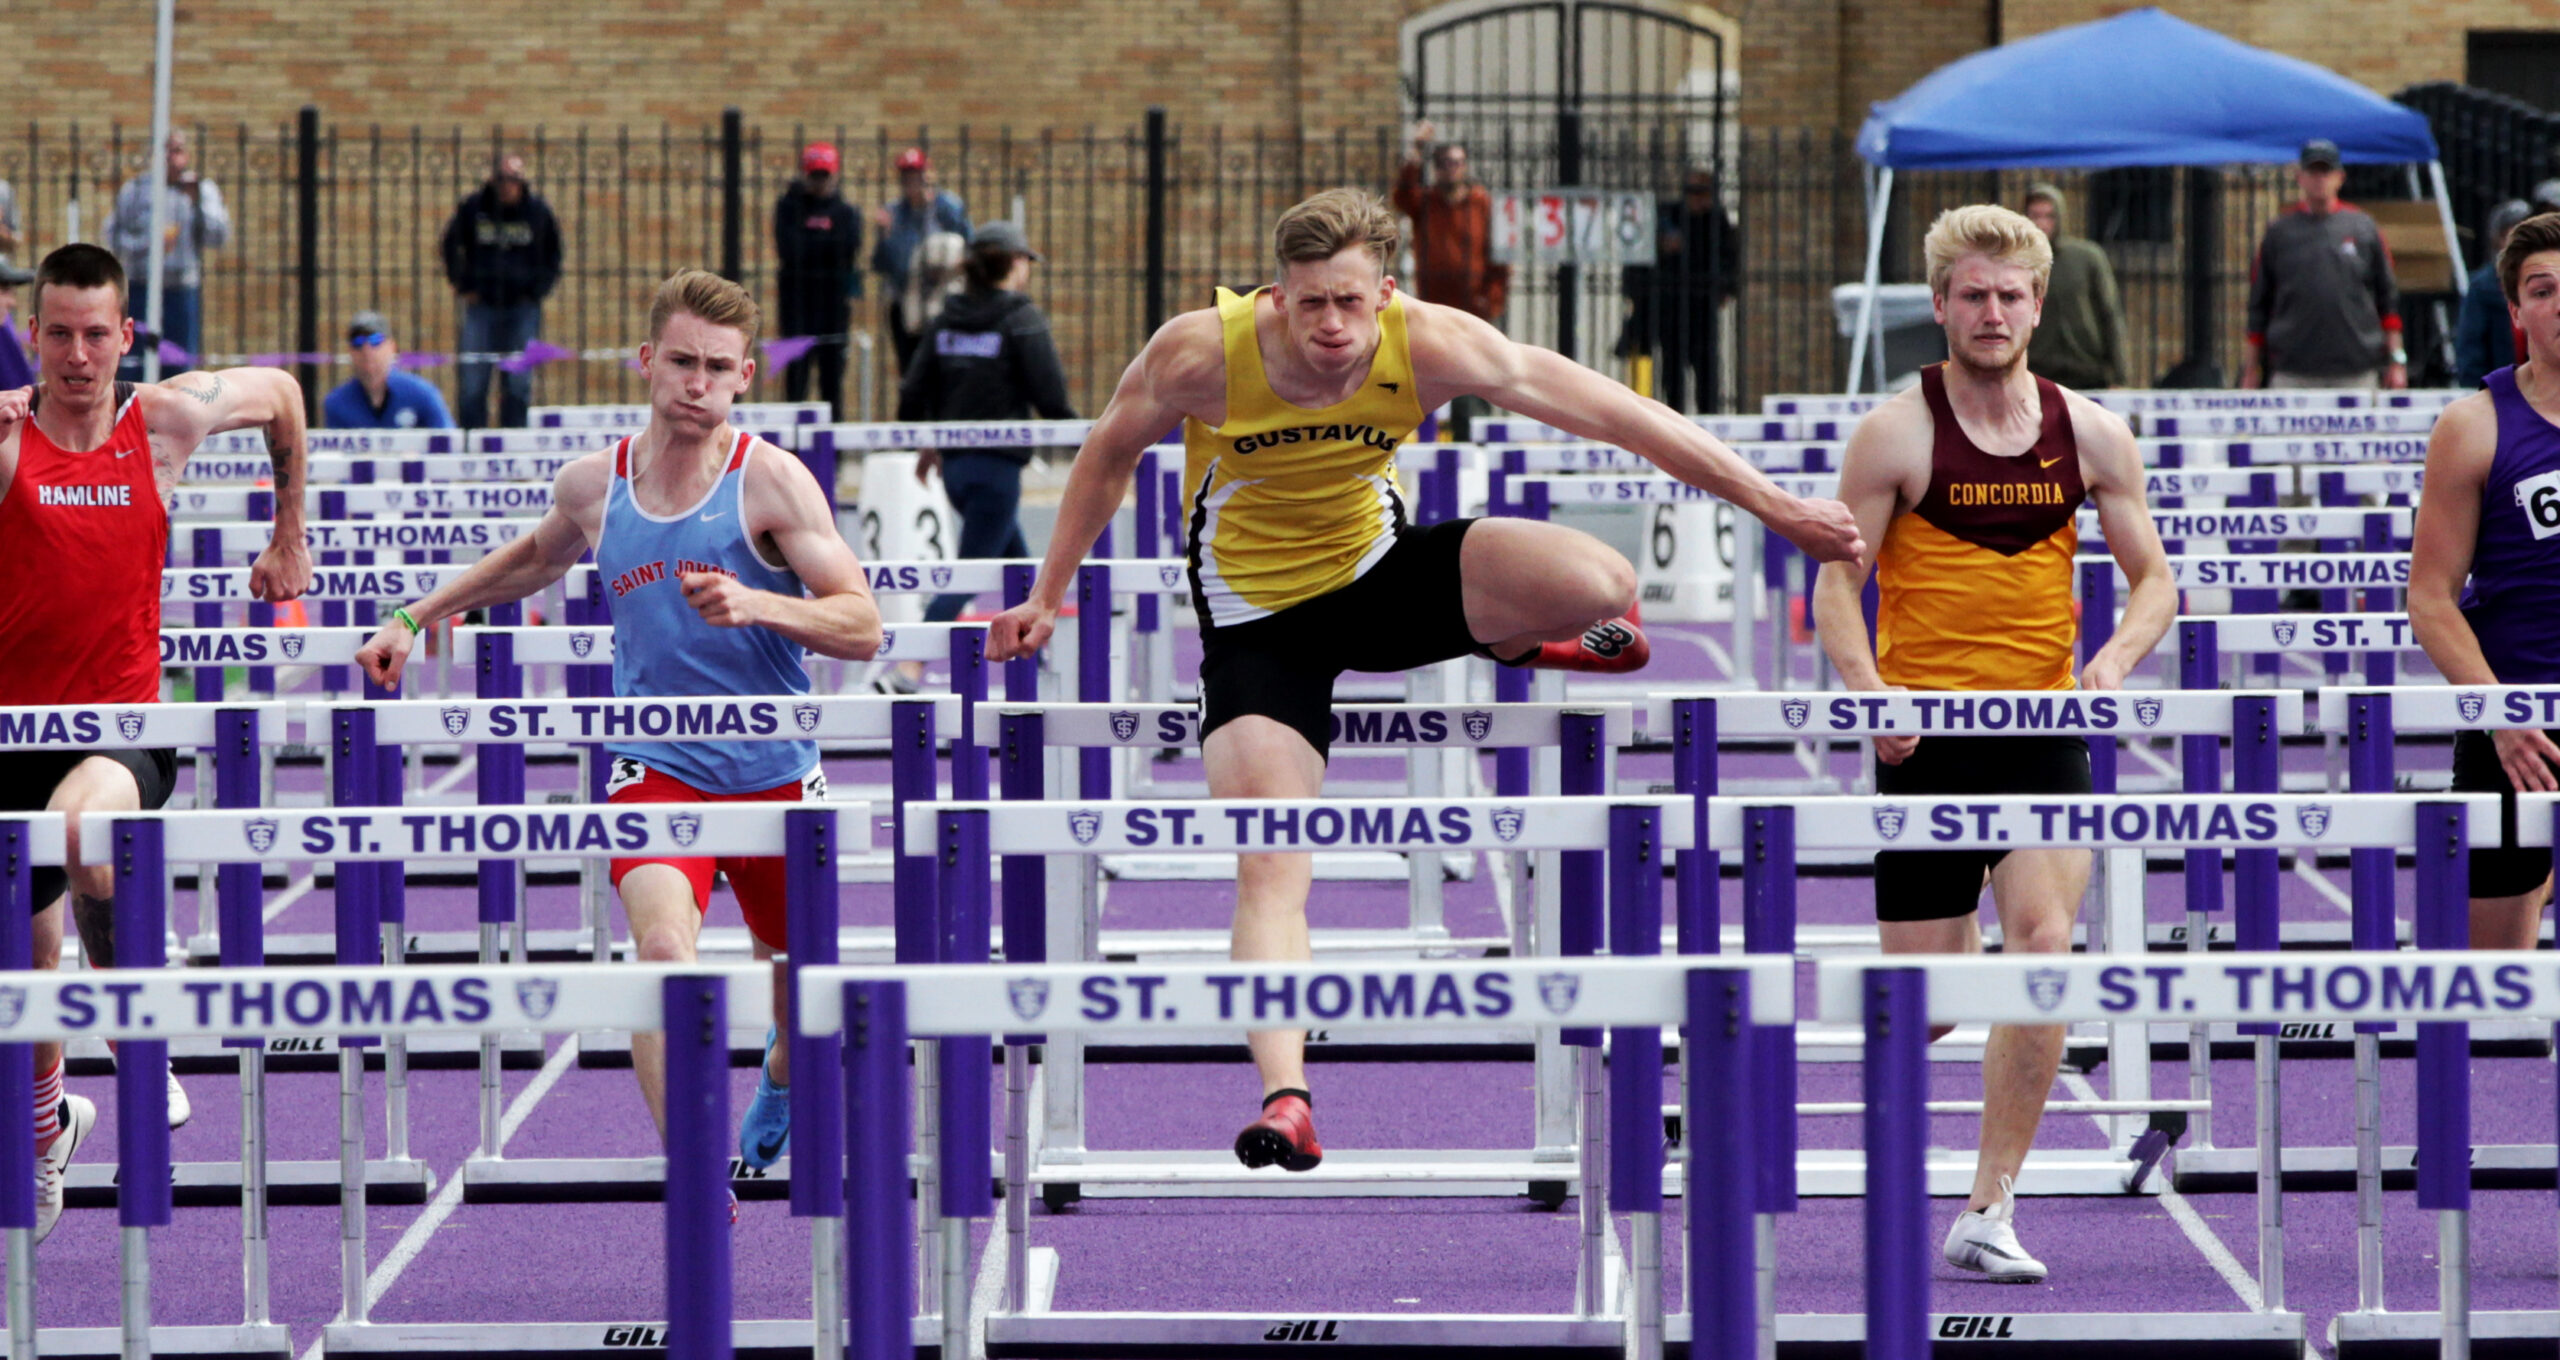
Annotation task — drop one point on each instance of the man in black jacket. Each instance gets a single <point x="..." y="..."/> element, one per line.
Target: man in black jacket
<point x="816" y="236"/>
<point x="986" y="356"/>
<point x="502" y="255"/>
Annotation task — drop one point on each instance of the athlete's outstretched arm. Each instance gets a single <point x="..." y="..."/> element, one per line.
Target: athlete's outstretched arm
<point x="1875" y="482"/>
<point x="1154" y="394"/>
<point x="838" y="617"/>
<point x="194" y="405"/>
<point x="2459" y="453"/>
<point x="517" y="569"/>
<point x="1453" y="350"/>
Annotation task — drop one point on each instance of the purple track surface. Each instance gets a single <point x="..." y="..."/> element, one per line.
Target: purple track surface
<point x="605" y="1262"/>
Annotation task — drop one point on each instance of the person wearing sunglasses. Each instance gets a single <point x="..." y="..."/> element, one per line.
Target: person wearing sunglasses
<point x="381" y="396"/>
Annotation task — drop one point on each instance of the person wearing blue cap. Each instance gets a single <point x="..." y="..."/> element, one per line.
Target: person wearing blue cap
<point x="380" y="396"/>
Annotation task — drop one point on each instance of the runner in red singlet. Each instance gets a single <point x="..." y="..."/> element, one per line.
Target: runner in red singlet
<point x="86" y="466"/>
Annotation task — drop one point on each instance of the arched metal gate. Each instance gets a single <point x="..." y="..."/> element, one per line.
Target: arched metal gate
<point x="1589" y="94"/>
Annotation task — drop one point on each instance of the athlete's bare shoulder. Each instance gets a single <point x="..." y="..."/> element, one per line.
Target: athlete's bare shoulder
<point x="1900" y="423"/>
<point x="578" y="490"/>
<point x="777" y="479"/>
<point x="2468" y="423"/>
<point x="1186" y="365"/>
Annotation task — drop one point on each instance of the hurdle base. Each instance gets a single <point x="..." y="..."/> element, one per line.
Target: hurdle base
<point x="198" y="1056"/>
<point x="782" y="1339"/>
<point x="2336" y="1040"/>
<point x="107" y="1343"/>
<point x="2505" y="1166"/>
<point x="1220" y="1336"/>
<point x="2506" y="1335"/>
<point x="601" y="1180"/>
<point x="92" y="1185"/>
<point x="1842" y="1172"/>
<point x="1346" y="1174"/>
<point x="2070" y="1336"/>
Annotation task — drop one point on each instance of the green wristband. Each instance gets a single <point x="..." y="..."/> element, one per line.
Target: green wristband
<point x="402" y="614"/>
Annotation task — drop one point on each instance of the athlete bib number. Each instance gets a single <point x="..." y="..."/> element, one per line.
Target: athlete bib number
<point x="2539" y="498"/>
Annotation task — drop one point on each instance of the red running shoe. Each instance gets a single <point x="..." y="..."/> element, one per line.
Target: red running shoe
<point x="1610" y="647"/>
<point x="1286" y="1133"/>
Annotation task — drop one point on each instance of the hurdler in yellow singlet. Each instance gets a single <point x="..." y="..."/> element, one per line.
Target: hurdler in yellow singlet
<point x="1289" y="503"/>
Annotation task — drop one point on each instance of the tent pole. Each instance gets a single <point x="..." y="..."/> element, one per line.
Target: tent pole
<point x="1879" y="197"/>
<point x="2452" y="242"/>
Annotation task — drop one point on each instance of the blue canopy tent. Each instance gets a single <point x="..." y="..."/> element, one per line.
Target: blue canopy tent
<point x="2142" y="88"/>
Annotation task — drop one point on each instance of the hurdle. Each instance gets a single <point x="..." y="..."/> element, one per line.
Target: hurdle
<point x="362" y="1003"/>
<point x="500" y="726"/>
<point x="235" y="735"/>
<point x="1633" y="997"/>
<point x="2372" y="1332"/>
<point x="1895" y="1170"/>
<point x="2253" y="722"/>
<point x="1584" y="736"/>
<point x="1895" y="1003"/>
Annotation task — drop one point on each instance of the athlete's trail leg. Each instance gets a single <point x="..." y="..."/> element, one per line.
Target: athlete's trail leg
<point x="2038" y="893"/>
<point x="94" y="785"/>
<point x="664" y="925"/>
<point x="1257" y="757"/>
<point x="1528" y="582"/>
<point x="777" y="1058"/>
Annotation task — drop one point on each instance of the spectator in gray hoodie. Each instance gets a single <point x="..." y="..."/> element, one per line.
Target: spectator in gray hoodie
<point x="2080" y="341"/>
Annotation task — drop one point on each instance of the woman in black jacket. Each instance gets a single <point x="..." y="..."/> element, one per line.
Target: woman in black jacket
<point x="986" y="356"/>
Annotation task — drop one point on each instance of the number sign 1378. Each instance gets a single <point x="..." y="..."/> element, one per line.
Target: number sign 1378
<point x="1573" y="226"/>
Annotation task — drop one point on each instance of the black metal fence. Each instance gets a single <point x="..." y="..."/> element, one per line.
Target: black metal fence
<point x="1132" y="226"/>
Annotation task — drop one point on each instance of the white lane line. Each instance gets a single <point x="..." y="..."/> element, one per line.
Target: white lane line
<point x="449" y="1195"/>
<point x="2309" y="872"/>
<point x="2185" y="1216"/>
<point x="292" y="893"/>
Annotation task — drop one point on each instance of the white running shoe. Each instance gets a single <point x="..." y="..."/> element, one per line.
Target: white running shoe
<point x="1986" y="1240"/>
<point x="78" y="1115"/>
<point x="181" y="1109"/>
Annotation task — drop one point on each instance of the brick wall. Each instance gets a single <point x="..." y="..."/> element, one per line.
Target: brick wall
<point x="2382" y="44"/>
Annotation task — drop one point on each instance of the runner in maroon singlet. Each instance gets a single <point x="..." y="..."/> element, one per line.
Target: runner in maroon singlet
<point x="86" y="466"/>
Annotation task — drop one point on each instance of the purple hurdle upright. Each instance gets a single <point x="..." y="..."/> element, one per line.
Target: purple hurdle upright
<point x="2444" y="1070"/>
<point x="965" y="1125"/>
<point x="354" y="775"/>
<point x="18" y="1092"/>
<point x="817" y="1063"/>
<point x="142" y="1079"/>
<point x="1635" y="1068"/>
<point x="880" y="1283"/>
<point x="1715" y="1048"/>
<point x="242" y="927"/>
<point x="2256" y="767"/>
<point x="1894" y="1003"/>
<point x="501" y="770"/>
<point x="1769" y="927"/>
<point x="2372" y="886"/>
<point x="695" y="1019"/>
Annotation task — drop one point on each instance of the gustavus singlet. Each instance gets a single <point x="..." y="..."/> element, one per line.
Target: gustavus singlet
<point x="662" y="646"/>
<point x="1974" y="583"/>
<point x="83" y="536"/>
<point x="1289" y="503"/>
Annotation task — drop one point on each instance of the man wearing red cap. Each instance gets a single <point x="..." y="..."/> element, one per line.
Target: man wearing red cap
<point x="920" y="211"/>
<point x="816" y="238"/>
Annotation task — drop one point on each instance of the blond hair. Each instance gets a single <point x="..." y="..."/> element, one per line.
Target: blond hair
<point x="2006" y="236"/>
<point x="699" y="292"/>
<point x="1334" y="221"/>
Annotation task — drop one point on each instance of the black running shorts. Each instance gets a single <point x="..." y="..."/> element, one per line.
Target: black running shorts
<point x="1935" y="885"/>
<point x="2496" y="873"/>
<point x="28" y="779"/>
<point x="1407" y="611"/>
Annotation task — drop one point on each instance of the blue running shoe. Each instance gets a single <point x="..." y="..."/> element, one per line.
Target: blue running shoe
<point x="766" y="1130"/>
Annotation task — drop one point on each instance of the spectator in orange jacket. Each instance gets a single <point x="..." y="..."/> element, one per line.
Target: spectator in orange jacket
<point x="1452" y="240"/>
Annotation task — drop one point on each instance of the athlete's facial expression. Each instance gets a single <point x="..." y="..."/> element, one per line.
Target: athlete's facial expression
<point x="1331" y="308"/>
<point x="2537" y="306"/>
<point x="695" y="371"/>
<point x="80" y="333"/>
<point x="1990" y="311"/>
